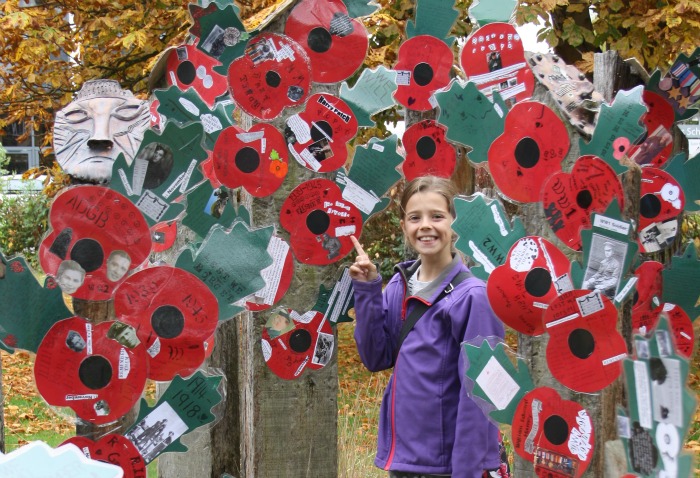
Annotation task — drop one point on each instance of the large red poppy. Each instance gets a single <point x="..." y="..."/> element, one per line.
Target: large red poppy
<point x="189" y="67"/>
<point x="531" y="148"/>
<point x="423" y="67"/>
<point x="78" y="366"/>
<point x="255" y="159"/>
<point x="100" y="231"/>
<point x="428" y="153"/>
<point x="662" y="202"/>
<point x="335" y="42"/>
<point x="274" y="73"/>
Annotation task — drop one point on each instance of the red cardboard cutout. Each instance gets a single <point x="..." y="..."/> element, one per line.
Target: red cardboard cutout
<point x="648" y="287"/>
<point x="256" y="159"/>
<point x="556" y="435"/>
<point x="519" y="291"/>
<point x="335" y="43"/>
<point x="585" y="350"/>
<point x="163" y="236"/>
<point x="531" y="148"/>
<point x="99" y="231"/>
<point x="173" y="313"/>
<point x="428" y="153"/>
<point x="569" y="199"/>
<point x="274" y="73"/>
<point x="320" y="222"/>
<point x="297" y="342"/>
<point x="318" y="136"/>
<point x="682" y="326"/>
<point x="657" y="146"/>
<point x="423" y="67"/>
<point x="115" y="449"/>
<point x="662" y="201"/>
<point x="78" y="366"/>
<point x="493" y="57"/>
<point x="189" y="67"/>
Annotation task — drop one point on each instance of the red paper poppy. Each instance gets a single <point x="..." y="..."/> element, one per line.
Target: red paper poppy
<point x="78" y="366"/>
<point x="423" y="67"/>
<point x="246" y="158"/>
<point x="531" y="148"/>
<point x="557" y="435"/>
<point x="292" y="342"/>
<point x="647" y="295"/>
<point x="173" y="313"/>
<point x="156" y="118"/>
<point x="428" y="153"/>
<point x="318" y="136"/>
<point x="335" y="42"/>
<point x="679" y="321"/>
<point x="657" y="145"/>
<point x="569" y="199"/>
<point x="520" y="290"/>
<point x="208" y="170"/>
<point x="274" y="73"/>
<point x="585" y="349"/>
<point x="189" y="67"/>
<point x="662" y="201"/>
<point x="494" y="58"/>
<point x="320" y="222"/>
<point x="97" y="236"/>
<point x="278" y="276"/>
<point x="115" y="449"/>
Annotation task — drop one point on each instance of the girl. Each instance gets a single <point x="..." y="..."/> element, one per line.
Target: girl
<point x="428" y="426"/>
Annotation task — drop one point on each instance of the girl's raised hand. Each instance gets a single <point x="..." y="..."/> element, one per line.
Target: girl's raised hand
<point x="362" y="269"/>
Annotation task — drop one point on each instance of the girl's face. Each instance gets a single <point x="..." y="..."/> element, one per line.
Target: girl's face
<point x="427" y="225"/>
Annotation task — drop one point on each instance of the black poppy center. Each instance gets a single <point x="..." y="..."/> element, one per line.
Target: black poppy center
<point x="167" y="321"/>
<point x="186" y="72"/>
<point x="88" y="253"/>
<point x="650" y="206"/>
<point x="538" y="281"/>
<point x="584" y="199"/>
<point x="318" y="221"/>
<point x="556" y="430"/>
<point x="426" y="147"/>
<point x="247" y="159"/>
<point x="581" y="343"/>
<point x="300" y="340"/>
<point x="423" y="74"/>
<point x="319" y="40"/>
<point x="527" y="153"/>
<point x="95" y="372"/>
<point x="273" y="79"/>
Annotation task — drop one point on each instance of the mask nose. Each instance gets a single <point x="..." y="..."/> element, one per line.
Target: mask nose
<point x="101" y="138"/>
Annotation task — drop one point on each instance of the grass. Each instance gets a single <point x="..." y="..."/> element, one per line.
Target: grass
<point x="28" y="418"/>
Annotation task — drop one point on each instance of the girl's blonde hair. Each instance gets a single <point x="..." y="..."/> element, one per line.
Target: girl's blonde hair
<point x="431" y="184"/>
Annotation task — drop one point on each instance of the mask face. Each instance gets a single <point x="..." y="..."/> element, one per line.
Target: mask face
<point x="102" y="122"/>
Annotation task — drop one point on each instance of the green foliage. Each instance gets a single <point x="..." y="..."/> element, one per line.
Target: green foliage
<point x="23" y="222"/>
<point x="4" y="160"/>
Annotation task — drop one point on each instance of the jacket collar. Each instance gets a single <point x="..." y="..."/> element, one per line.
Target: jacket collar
<point x="430" y="293"/>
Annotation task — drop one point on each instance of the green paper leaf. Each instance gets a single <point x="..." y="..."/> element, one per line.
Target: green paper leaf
<point x="212" y="26"/>
<point x="596" y="268"/>
<point x="686" y="173"/>
<point x="484" y="231"/>
<point x="471" y="119"/>
<point x="230" y="264"/>
<point x="207" y="207"/>
<point x="361" y="8"/>
<point x="185" y="107"/>
<point x="680" y="282"/>
<point x="434" y="18"/>
<point x="373" y="92"/>
<point x="496" y="380"/>
<point x="185" y="405"/>
<point x="491" y="11"/>
<point x="335" y="303"/>
<point x="660" y="406"/>
<point x="155" y="194"/>
<point x="619" y="125"/>
<point x="28" y="310"/>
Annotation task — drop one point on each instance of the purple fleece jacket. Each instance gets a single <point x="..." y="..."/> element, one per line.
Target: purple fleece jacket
<point x="427" y="422"/>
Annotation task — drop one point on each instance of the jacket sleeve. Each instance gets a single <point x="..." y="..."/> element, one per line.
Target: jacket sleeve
<point x="373" y="329"/>
<point x="476" y="438"/>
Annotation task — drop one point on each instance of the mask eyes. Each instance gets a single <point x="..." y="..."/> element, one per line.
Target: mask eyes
<point x="127" y="112"/>
<point x="77" y="115"/>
